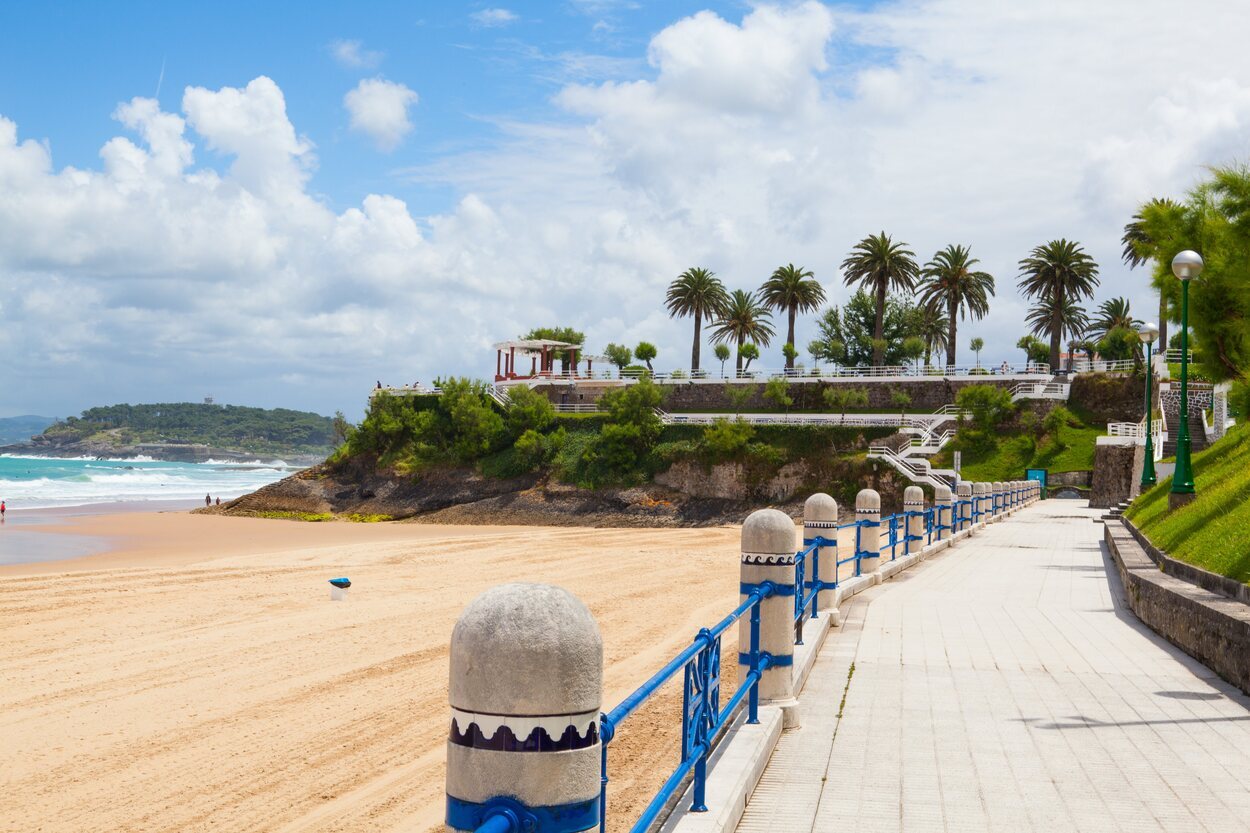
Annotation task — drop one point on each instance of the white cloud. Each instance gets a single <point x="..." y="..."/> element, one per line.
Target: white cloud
<point x="494" y="18"/>
<point x="748" y="143"/>
<point x="353" y="55"/>
<point x="379" y="108"/>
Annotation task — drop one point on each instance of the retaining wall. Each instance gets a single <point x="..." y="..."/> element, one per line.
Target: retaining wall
<point x="1208" y="626"/>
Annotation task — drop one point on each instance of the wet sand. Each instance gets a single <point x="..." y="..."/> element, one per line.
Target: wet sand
<point x="197" y="677"/>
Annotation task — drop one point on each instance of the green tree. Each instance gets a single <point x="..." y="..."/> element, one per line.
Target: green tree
<point x="744" y="319"/>
<point x="528" y="410"/>
<point x="976" y="346"/>
<point x="739" y="395"/>
<point x="846" y="332"/>
<point x="988" y="405"/>
<point x="748" y="353"/>
<point x="645" y="352"/>
<point x="900" y="399"/>
<point x="1057" y="272"/>
<point x="1111" y="314"/>
<point x="842" y="397"/>
<point x="725" y="439"/>
<point x="1072" y="319"/>
<point x="722" y="355"/>
<point x="1055" y="421"/>
<point x="913" y="348"/>
<point x="632" y="429"/>
<point x="342" y="428"/>
<point x="879" y="264"/>
<point x="619" y="355"/>
<point x="790" y="352"/>
<point x="697" y="293"/>
<point x="565" y="334"/>
<point x="1034" y="349"/>
<point x="792" y="289"/>
<point x="777" y="391"/>
<point x="934" y="329"/>
<point x="1120" y="343"/>
<point x="951" y="283"/>
<point x="1154" y="223"/>
<point x="477" y="428"/>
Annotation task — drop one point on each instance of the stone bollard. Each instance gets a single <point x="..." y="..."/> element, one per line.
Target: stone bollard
<point x="981" y="494"/>
<point x="868" y="536"/>
<point x="963" y="514"/>
<point x="768" y="551"/>
<point x="526" y="688"/>
<point x="820" y="520"/>
<point x="999" y="496"/>
<point x="913" y="502"/>
<point x="943" y="516"/>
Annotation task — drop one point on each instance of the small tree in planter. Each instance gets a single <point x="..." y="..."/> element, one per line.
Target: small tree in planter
<point x="900" y="399"/>
<point x="777" y="391"/>
<point x="645" y="352"/>
<point x="722" y="354"/>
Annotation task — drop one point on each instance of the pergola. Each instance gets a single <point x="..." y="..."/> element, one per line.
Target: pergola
<point x="541" y="352"/>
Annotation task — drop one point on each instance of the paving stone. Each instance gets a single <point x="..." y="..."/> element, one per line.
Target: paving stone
<point x="1004" y="685"/>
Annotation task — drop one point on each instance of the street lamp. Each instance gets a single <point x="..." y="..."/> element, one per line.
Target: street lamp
<point x="1186" y="266"/>
<point x="1148" y="334"/>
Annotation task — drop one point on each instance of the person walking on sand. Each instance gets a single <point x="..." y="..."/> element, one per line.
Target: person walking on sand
<point x="1" y="508"/>
<point x="208" y="500"/>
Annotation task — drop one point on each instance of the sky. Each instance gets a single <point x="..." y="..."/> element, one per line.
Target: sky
<point x="281" y="209"/>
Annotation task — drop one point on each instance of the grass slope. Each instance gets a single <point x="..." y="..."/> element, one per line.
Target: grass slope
<point x="1213" y="532"/>
<point x="1012" y="453"/>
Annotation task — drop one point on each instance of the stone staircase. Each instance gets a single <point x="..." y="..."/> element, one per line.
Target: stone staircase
<point x="1197" y="434"/>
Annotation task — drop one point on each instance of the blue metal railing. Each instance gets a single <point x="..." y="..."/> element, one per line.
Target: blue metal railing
<point x="702" y="718"/>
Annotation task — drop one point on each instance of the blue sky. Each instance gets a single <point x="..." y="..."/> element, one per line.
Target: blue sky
<point x="318" y="200"/>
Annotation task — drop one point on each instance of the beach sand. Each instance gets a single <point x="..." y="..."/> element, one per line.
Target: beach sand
<point x="197" y="677"/>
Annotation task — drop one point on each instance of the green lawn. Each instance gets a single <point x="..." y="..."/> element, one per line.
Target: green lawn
<point x="1013" y="453"/>
<point x="1213" y="532"/>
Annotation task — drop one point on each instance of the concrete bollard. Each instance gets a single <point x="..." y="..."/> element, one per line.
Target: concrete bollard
<point x="981" y="494"/>
<point x="913" y="502"/>
<point x="820" y="520"/>
<point x="998" y="498"/>
<point x="768" y="550"/>
<point x="943" y="516"/>
<point x="963" y="514"/>
<point x="868" y="512"/>
<point x="526" y="688"/>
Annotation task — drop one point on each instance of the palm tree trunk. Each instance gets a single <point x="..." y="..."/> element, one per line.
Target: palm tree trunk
<point x="878" y="329"/>
<point x="738" y="374"/>
<point x="694" y="350"/>
<point x="952" y="307"/>
<point x="1056" y="326"/>
<point x="789" y="359"/>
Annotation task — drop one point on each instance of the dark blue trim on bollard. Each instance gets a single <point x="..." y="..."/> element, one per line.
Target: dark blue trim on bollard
<point x="561" y="818"/>
<point x="774" y="660"/>
<point x="747" y="589"/>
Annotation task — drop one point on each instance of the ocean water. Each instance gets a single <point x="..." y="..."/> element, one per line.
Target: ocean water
<point x="41" y="482"/>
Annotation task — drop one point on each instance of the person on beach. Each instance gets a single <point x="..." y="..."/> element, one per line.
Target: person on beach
<point x="1" y="508"/>
<point x="208" y="500"/>
<point x="219" y="501"/>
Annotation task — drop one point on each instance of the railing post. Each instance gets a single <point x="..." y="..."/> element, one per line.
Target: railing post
<point x="980" y="491"/>
<point x="768" y="555"/>
<point x="913" y="505"/>
<point x="526" y="687"/>
<point x="943" y="517"/>
<point x="868" y="516"/>
<point x="820" y="520"/>
<point x="964" y="510"/>
<point x="996" y="492"/>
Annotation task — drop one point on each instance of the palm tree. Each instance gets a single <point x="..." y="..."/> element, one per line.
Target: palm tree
<point x="879" y="265"/>
<point x="795" y="290"/>
<point x="1071" y="315"/>
<point x="1058" y="272"/>
<point x="952" y="283"/>
<point x="977" y="345"/>
<point x="744" y="319"/>
<point x="697" y="292"/>
<point x="1140" y="247"/>
<point x="931" y="325"/>
<point x="1112" y="314"/>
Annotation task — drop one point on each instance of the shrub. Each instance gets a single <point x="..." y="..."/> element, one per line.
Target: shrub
<point x="777" y="391"/>
<point x="989" y="405"/>
<point x="528" y="411"/>
<point x="726" y="438"/>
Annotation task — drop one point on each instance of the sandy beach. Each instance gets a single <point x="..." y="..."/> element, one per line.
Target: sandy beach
<point x="196" y="676"/>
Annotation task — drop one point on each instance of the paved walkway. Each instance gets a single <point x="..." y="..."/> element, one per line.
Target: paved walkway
<point x="1004" y="686"/>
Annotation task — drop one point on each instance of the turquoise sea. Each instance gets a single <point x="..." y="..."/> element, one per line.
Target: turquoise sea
<point x="41" y="482"/>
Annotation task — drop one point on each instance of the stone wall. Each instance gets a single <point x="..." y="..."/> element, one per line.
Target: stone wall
<point x="1208" y="626"/>
<point x="1110" y="397"/>
<point x="1117" y="474"/>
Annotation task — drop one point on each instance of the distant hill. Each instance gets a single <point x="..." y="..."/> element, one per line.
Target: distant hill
<point x="185" y="431"/>
<point x="21" y="428"/>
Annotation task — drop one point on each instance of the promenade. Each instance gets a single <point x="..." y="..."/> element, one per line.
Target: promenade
<point x="1005" y="686"/>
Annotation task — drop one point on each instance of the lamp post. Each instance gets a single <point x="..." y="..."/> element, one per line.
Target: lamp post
<point x="1148" y="334"/>
<point x="1186" y="266"/>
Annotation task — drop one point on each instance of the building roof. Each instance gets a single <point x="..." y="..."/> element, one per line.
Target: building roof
<point x="534" y="344"/>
